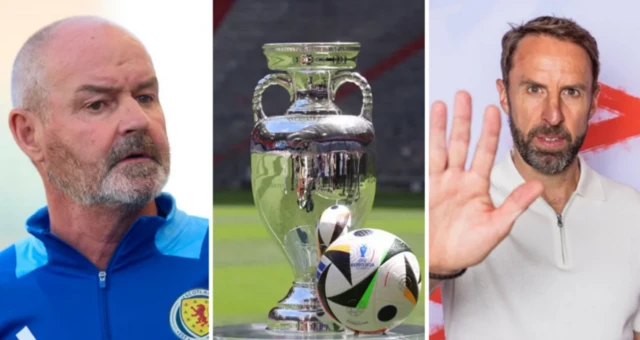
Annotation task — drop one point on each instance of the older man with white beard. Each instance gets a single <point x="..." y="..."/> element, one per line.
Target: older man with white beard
<point x="110" y="256"/>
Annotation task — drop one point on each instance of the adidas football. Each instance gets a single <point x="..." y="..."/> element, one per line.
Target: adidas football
<point x="368" y="280"/>
<point x="334" y="222"/>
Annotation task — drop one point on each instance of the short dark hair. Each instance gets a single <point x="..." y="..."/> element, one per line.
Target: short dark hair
<point x="559" y="28"/>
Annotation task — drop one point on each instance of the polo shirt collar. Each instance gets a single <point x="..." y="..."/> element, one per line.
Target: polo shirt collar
<point x="590" y="186"/>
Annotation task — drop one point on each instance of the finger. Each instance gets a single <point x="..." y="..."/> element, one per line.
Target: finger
<point x="460" y="130"/>
<point x="515" y="204"/>
<point x="438" y="138"/>
<point x="488" y="144"/>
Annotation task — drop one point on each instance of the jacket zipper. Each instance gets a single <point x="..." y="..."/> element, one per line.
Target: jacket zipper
<point x="102" y="285"/>
<point x="563" y="241"/>
<point x="102" y="292"/>
<point x="564" y="248"/>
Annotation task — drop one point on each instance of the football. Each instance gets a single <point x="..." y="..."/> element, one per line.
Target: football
<point x="334" y="222"/>
<point x="368" y="280"/>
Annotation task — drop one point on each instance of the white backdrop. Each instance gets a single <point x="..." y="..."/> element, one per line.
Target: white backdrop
<point x="465" y="46"/>
<point x="178" y="37"/>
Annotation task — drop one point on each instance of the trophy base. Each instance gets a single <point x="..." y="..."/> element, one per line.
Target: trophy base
<point x="300" y="311"/>
<point x="287" y="320"/>
<point x="260" y="331"/>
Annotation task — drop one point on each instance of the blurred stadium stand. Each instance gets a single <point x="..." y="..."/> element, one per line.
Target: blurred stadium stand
<point x="392" y="59"/>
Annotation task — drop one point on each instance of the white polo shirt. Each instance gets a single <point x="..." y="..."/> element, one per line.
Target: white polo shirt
<point x="578" y="280"/>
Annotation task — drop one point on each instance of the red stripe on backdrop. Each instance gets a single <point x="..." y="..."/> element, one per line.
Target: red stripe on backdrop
<point x="605" y="134"/>
<point x="220" y="10"/>
<point x="437" y="298"/>
<point x="394" y="59"/>
<point x="439" y="335"/>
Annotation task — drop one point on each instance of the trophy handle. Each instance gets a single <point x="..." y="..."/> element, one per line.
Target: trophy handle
<point x="367" y="97"/>
<point x="281" y="79"/>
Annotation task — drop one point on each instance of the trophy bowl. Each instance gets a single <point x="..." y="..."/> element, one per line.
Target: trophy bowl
<point x="310" y="158"/>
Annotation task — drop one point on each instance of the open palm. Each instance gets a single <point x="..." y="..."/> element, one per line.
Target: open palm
<point x="464" y="224"/>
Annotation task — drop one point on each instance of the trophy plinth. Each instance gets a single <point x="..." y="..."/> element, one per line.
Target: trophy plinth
<point x="259" y="331"/>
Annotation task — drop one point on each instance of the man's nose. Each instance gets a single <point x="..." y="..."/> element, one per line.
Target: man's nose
<point x="133" y="117"/>
<point x="552" y="113"/>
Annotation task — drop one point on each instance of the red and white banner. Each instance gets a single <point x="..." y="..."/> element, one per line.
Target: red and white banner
<point x="464" y="52"/>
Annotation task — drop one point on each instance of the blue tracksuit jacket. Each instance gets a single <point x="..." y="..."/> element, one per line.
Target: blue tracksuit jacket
<point x="155" y="286"/>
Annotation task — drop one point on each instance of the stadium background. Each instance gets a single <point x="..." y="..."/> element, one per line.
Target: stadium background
<point x="465" y="52"/>
<point x="182" y="53"/>
<point x="250" y="272"/>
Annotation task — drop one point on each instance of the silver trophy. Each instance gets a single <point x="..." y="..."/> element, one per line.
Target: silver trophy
<point x="308" y="159"/>
<point x="302" y="162"/>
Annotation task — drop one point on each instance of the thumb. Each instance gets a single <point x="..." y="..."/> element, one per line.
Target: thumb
<point x="515" y="204"/>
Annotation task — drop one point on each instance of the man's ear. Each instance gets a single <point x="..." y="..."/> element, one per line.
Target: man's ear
<point x="27" y="132"/>
<point x="594" y="101"/>
<point x="502" y="95"/>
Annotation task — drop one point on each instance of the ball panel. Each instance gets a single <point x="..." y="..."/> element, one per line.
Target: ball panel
<point x="322" y="265"/>
<point x="353" y="296"/>
<point x="398" y="246"/>
<point x="322" y="245"/>
<point x="336" y="282"/>
<point x="341" y="260"/>
<point x="340" y="246"/>
<point x="341" y="225"/>
<point x="401" y="278"/>
<point x="415" y="265"/>
<point x="363" y="232"/>
<point x="387" y="313"/>
<point x="412" y="286"/>
<point x="356" y="319"/>
<point x="321" y="287"/>
<point x="366" y="297"/>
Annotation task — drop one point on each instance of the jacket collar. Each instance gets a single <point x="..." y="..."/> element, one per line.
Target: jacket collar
<point x="137" y="243"/>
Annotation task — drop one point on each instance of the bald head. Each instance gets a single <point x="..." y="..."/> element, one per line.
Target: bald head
<point x="86" y="97"/>
<point x="29" y="81"/>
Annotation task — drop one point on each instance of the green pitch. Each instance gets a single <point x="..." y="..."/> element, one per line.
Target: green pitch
<point x="251" y="274"/>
